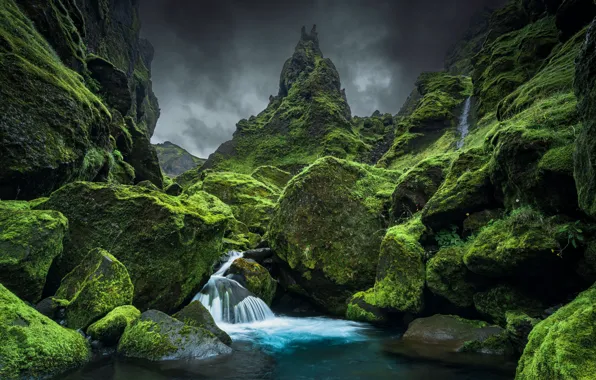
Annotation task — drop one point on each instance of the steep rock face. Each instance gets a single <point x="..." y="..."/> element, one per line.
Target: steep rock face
<point x="174" y="160"/>
<point x="585" y="145"/>
<point x="399" y="283"/>
<point x="328" y="228"/>
<point x="308" y="119"/>
<point x="168" y="244"/>
<point x="156" y="336"/>
<point x="94" y="288"/>
<point x="562" y="346"/>
<point x="34" y="346"/>
<point x="30" y="240"/>
<point x="64" y="136"/>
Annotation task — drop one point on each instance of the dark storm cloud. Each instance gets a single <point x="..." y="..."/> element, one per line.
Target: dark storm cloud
<point x="218" y="61"/>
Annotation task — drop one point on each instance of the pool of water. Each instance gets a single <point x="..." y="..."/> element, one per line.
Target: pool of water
<point x="287" y="348"/>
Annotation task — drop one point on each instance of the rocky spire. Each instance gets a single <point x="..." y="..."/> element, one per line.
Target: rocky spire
<point x="303" y="59"/>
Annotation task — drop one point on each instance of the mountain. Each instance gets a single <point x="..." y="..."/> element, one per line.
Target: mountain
<point x="175" y="160"/>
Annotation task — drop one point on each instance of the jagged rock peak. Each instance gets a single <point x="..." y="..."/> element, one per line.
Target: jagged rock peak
<point x="302" y="61"/>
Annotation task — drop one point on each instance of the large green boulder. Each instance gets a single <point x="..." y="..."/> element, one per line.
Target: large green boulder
<point x="251" y="201"/>
<point x="467" y="189"/>
<point x="585" y="145"/>
<point x="196" y="315"/>
<point x="53" y="129"/>
<point x="33" y="346"/>
<point x="328" y="228"/>
<point x="30" y="240"/>
<point x="448" y="277"/>
<point x="168" y="244"/>
<point x="399" y="284"/>
<point x="563" y="346"/>
<point x="99" y="284"/>
<point x="110" y="328"/>
<point x="524" y="243"/>
<point x="256" y="277"/>
<point x="157" y="336"/>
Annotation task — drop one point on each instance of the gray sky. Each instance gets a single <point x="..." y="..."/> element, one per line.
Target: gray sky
<point x="217" y="62"/>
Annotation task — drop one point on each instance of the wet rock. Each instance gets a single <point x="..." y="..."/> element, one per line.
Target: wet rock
<point x="110" y="328"/>
<point x="256" y="277"/>
<point x="157" y="337"/>
<point x="195" y="314"/>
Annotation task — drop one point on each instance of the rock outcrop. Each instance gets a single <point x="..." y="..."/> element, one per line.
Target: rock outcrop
<point x="175" y="160"/>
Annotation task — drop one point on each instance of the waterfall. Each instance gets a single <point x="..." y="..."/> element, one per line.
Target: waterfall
<point x="464" y="124"/>
<point x="228" y="301"/>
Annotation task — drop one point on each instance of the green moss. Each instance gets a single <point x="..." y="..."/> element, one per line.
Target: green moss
<point x="94" y="288"/>
<point x="400" y="273"/>
<point x="258" y="279"/>
<point x="175" y="160"/>
<point x="47" y="111"/>
<point x="563" y="346"/>
<point x="498" y="344"/>
<point x="330" y="221"/>
<point x="34" y="346"/>
<point x="519" y="326"/>
<point x="558" y="160"/>
<point x="466" y="189"/>
<point x="272" y="176"/>
<point x="110" y="328"/>
<point x="498" y="301"/>
<point x="29" y="241"/>
<point x="448" y="277"/>
<point x="168" y="244"/>
<point x="196" y="315"/>
<point x="251" y="201"/>
<point x="523" y="241"/>
<point x="144" y="339"/>
<point x="359" y="310"/>
<point x="510" y="60"/>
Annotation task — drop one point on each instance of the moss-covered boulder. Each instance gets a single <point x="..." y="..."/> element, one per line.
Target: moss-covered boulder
<point x="168" y="244"/>
<point x="95" y="287"/>
<point x="196" y="315"/>
<point x="585" y="145"/>
<point x="251" y="201"/>
<point x="563" y="346"/>
<point x="328" y="228"/>
<point x="519" y="325"/>
<point x="400" y="277"/>
<point x="110" y="328"/>
<point x="447" y="333"/>
<point x="448" y="277"/>
<point x="30" y="240"/>
<point x="495" y="303"/>
<point x="522" y="244"/>
<point x="362" y="311"/>
<point x="467" y="189"/>
<point x="34" y="346"/>
<point x="418" y="185"/>
<point x="64" y="135"/>
<point x="174" y="189"/>
<point x="256" y="277"/>
<point x="157" y="337"/>
<point x="272" y="176"/>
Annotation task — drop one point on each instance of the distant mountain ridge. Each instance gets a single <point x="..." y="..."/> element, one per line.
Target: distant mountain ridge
<point x="175" y="160"/>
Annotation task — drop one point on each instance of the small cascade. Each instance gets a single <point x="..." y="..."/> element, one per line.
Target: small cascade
<point x="464" y="124"/>
<point x="228" y="301"/>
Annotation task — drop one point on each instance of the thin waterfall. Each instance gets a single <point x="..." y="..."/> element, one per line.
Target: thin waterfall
<point x="464" y="124"/>
<point x="230" y="302"/>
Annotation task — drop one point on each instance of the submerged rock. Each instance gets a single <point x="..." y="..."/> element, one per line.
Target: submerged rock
<point x="563" y="345"/>
<point x="196" y="315"/>
<point x="156" y="337"/>
<point x="94" y="288"/>
<point x="34" y="346"/>
<point x="256" y="277"/>
<point x="110" y="328"/>
<point x="328" y="228"/>
<point x="168" y="244"/>
<point x="30" y="240"/>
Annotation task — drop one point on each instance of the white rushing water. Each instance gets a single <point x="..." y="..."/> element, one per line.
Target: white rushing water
<point x="464" y="123"/>
<point x="230" y="302"/>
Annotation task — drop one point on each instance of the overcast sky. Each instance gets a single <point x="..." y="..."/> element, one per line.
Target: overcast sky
<point x="217" y="62"/>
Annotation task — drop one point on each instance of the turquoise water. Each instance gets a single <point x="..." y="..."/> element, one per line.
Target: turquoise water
<point x="286" y="348"/>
